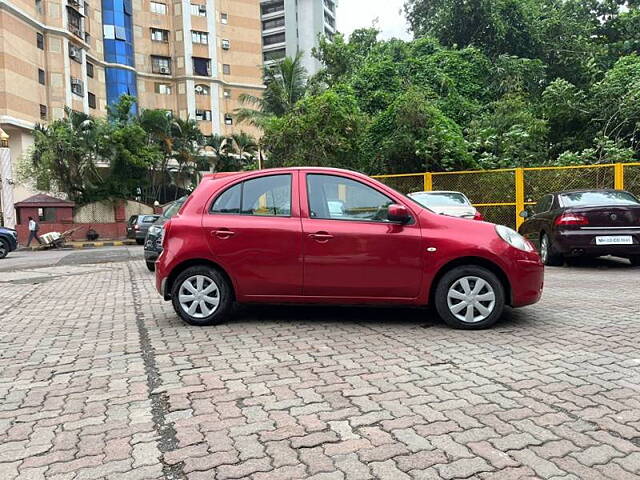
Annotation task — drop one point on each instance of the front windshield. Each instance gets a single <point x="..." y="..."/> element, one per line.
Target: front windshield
<point x="173" y="208"/>
<point x="593" y="199"/>
<point x="441" y="199"/>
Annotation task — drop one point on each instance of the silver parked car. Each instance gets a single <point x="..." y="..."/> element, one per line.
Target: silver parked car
<point x="454" y="204"/>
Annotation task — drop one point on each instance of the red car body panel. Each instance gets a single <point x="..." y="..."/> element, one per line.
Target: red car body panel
<point x="300" y="259"/>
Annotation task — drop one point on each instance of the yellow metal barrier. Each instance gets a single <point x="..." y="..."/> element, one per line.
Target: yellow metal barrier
<point x="502" y="194"/>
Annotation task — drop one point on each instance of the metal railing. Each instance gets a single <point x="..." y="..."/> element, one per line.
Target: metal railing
<point x="502" y="194"/>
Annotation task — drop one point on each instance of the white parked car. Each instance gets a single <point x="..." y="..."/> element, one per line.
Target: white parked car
<point x="454" y="204"/>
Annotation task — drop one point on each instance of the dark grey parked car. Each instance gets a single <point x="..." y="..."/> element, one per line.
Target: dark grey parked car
<point x="153" y="243"/>
<point x="8" y="241"/>
<point x="138" y="226"/>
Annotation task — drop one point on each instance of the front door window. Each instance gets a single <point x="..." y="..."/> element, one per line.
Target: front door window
<point x="339" y="198"/>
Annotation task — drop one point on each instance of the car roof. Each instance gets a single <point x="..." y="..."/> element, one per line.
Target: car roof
<point x="437" y="192"/>
<point x="275" y="171"/>
<point x="585" y="190"/>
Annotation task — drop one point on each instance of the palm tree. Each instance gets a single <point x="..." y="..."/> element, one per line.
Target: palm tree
<point x="285" y="83"/>
<point x="187" y="141"/>
<point x="157" y="125"/>
<point x="221" y="146"/>
<point x="68" y="149"/>
<point x="246" y="146"/>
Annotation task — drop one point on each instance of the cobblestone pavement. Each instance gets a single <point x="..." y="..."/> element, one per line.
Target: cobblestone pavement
<point x="99" y="379"/>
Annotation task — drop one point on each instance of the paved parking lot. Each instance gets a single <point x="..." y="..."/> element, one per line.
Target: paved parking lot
<point x="99" y="379"/>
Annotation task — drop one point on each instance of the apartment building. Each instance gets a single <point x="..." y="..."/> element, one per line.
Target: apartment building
<point x="193" y="57"/>
<point x="290" y="26"/>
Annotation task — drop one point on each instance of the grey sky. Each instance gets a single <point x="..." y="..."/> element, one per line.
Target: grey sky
<point x="354" y="14"/>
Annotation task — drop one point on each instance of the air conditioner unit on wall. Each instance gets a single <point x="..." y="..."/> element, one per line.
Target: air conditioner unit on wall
<point x="75" y="53"/>
<point x="165" y="70"/>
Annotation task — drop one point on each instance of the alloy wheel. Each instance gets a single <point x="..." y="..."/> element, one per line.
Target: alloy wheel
<point x="544" y="249"/>
<point x="199" y="296"/>
<point x="471" y="299"/>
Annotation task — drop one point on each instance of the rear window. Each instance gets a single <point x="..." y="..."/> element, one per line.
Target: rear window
<point x="594" y="199"/>
<point x="174" y="208"/>
<point x="445" y="199"/>
<point x="150" y="218"/>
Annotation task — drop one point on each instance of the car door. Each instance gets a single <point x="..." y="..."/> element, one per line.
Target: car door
<point x="351" y="250"/>
<point x="254" y="232"/>
<point x="532" y="227"/>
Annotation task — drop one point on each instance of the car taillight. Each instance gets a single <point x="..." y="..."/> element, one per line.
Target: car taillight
<point x="479" y="216"/>
<point x="136" y="227"/>
<point x="571" y="219"/>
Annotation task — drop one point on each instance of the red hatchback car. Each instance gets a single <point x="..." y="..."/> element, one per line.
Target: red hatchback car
<point x="329" y="236"/>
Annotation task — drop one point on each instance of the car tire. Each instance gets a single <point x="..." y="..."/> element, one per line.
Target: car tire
<point x="548" y="254"/>
<point x="140" y="241"/>
<point x="635" y="260"/>
<point x="151" y="266"/>
<point x="4" y="248"/>
<point x="457" y="287"/>
<point x="188" y="284"/>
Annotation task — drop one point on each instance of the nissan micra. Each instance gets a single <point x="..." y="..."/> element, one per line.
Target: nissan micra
<point x="330" y="236"/>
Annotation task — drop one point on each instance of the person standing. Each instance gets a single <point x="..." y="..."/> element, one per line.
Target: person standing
<point x="33" y="231"/>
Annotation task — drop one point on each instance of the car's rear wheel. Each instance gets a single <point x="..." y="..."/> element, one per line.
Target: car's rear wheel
<point x="4" y="248"/>
<point x="470" y="297"/>
<point x="548" y="254"/>
<point x="202" y="296"/>
<point x="151" y="266"/>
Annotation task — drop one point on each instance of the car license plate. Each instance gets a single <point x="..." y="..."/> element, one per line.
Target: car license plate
<point x="615" y="240"/>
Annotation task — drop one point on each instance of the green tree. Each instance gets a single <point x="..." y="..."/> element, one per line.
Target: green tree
<point x="496" y="26"/>
<point x="322" y="130"/>
<point x="508" y="134"/>
<point x="413" y="135"/>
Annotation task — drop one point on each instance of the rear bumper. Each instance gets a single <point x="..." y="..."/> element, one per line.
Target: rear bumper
<point x="583" y="243"/>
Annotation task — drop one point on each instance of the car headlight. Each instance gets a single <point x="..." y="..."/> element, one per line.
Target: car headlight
<point x="513" y="238"/>
<point x="155" y="229"/>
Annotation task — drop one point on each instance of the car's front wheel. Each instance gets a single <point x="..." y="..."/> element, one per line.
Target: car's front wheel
<point x="4" y="248"/>
<point x="470" y="297"/>
<point x="151" y="266"/>
<point x="202" y="296"/>
<point x="140" y="241"/>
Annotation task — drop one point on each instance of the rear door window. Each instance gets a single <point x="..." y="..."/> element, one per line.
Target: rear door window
<point x="264" y="196"/>
<point x="544" y="205"/>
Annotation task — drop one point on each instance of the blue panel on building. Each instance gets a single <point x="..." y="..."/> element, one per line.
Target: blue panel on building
<point x="118" y="48"/>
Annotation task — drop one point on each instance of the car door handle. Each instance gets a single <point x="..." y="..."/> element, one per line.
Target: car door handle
<point x="223" y="233"/>
<point x="321" y="237"/>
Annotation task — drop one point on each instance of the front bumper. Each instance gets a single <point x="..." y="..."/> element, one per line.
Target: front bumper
<point x="529" y="282"/>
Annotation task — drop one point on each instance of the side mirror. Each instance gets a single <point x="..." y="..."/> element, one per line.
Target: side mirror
<point x="524" y="214"/>
<point x="398" y="213"/>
